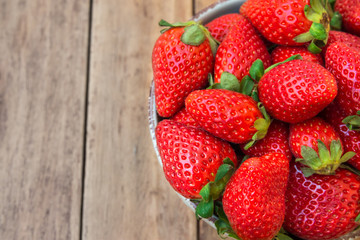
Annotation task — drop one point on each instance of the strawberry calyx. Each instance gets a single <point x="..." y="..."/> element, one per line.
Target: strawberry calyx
<point x="194" y="33"/>
<point x="353" y="122"/>
<point x="324" y="162"/>
<point x="261" y="125"/>
<point x="228" y="81"/>
<point x="323" y="18"/>
<point x="213" y="190"/>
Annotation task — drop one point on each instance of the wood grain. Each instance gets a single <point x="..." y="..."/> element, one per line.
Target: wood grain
<point x="42" y="98"/>
<point x="126" y="194"/>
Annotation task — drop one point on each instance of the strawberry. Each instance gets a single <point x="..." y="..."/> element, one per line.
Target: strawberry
<point x="308" y="133"/>
<point x="219" y="27"/>
<point x="350" y="11"/>
<point x="281" y="53"/>
<point x="343" y="37"/>
<point x="254" y="198"/>
<point x="296" y="90"/>
<point x="344" y="62"/>
<point x="243" y="9"/>
<point x="321" y="206"/>
<point x="291" y="22"/>
<point x="184" y="117"/>
<point x="276" y="140"/>
<point x="350" y="138"/>
<point x="182" y="58"/>
<point x="317" y="145"/>
<point x="241" y="47"/>
<point x="190" y="156"/>
<point x="226" y="114"/>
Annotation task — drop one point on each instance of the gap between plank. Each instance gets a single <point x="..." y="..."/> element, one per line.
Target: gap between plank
<point x="88" y="64"/>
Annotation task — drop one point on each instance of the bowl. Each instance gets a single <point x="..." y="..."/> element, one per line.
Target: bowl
<point x="204" y="16"/>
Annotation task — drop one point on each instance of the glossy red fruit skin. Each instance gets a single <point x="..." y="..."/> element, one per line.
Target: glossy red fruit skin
<point x="276" y="140"/>
<point x="342" y="37"/>
<point x="350" y="12"/>
<point x="321" y="206"/>
<point x="226" y="114"/>
<point x="219" y="27"/>
<point x="297" y="90"/>
<point x="344" y="63"/>
<point x="281" y="53"/>
<point x="178" y="70"/>
<point x="190" y="156"/>
<point x="184" y="117"/>
<point x="279" y="21"/>
<point x="241" y="47"/>
<point x="254" y="198"/>
<point x="308" y="132"/>
<point x="350" y="138"/>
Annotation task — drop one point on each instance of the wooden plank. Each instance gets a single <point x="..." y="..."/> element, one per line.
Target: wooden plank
<point x="206" y="232"/>
<point x="126" y="194"/>
<point x="42" y="98"/>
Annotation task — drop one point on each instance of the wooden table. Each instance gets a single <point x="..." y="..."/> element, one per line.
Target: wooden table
<point x="76" y="159"/>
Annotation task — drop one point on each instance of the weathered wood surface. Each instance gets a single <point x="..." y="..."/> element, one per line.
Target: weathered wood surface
<point x="126" y="194"/>
<point x="43" y="46"/>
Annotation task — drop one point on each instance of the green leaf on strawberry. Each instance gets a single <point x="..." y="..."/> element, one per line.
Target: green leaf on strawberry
<point x="353" y="122"/>
<point x="257" y="70"/>
<point x="228" y="81"/>
<point x="213" y="190"/>
<point x="194" y="33"/>
<point x="323" y="18"/>
<point x="282" y="236"/>
<point x="247" y="85"/>
<point x="324" y="162"/>
<point x="261" y="125"/>
<point x="222" y="225"/>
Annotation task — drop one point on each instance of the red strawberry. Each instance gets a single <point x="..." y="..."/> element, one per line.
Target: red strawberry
<point x="190" y="156"/>
<point x="219" y="27"/>
<point x="276" y="140"/>
<point x="308" y="132"/>
<point x="226" y="114"/>
<point x="184" y="117"/>
<point x="282" y="21"/>
<point x="344" y="63"/>
<point x="281" y="53"/>
<point x="350" y="138"/>
<point x="243" y="9"/>
<point x="241" y="47"/>
<point x="254" y="198"/>
<point x="320" y="206"/>
<point x="296" y="90"/>
<point x="343" y="37"/>
<point x="181" y="64"/>
<point x="350" y="12"/>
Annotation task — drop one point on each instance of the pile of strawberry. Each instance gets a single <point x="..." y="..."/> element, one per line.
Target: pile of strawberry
<point x="261" y="117"/>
